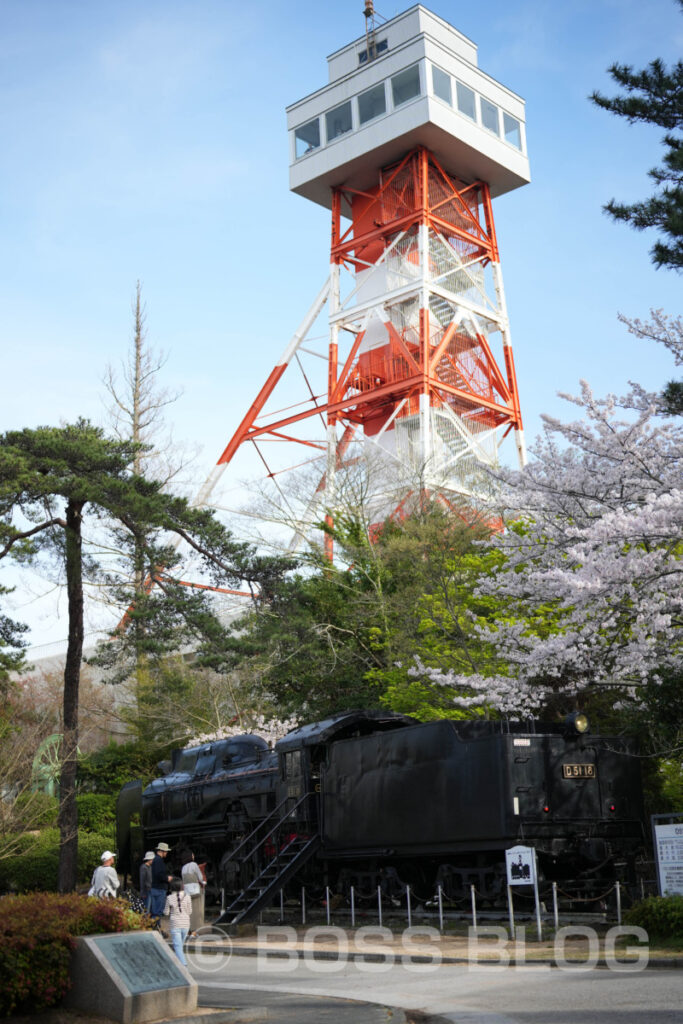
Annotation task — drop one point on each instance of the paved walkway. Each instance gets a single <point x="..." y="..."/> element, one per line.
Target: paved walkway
<point x="245" y="1006"/>
<point x="420" y="945"/>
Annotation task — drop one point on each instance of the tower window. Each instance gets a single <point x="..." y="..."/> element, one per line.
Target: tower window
<point x="338" y="121"/>
<point x="442" y="84"/>
<point x="465" y="100"/>
<point x="489" y="116"/>
<point x="375" y="50"/>
<point x="372" y="103"/>
<point x="512" y="130"/>
<point x="307" y="138"/>
<point x="405" y="85"/>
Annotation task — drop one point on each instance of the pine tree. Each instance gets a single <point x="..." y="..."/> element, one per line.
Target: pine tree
<point x="654" y="96"/>
<point x="53" y="481"/>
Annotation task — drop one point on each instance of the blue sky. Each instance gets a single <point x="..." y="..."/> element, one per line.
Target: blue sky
<point x="147" y="140"/>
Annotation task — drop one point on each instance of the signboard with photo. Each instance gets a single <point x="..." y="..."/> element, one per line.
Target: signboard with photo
<point x="520" y="862"/>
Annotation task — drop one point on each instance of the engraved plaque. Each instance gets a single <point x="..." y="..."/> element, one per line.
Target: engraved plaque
<point x="140" y="962"/>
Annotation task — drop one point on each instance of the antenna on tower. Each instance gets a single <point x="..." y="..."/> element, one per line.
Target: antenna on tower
<point x="369" y="12"/>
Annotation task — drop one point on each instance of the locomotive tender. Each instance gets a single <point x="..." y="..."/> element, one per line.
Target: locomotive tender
<point x="370" y="798"/>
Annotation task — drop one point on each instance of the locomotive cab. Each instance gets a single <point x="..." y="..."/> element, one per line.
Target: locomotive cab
<point x="303" y="755"/>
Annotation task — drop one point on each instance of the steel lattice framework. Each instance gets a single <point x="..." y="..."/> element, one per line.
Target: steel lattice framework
<point x="416" y="314"/>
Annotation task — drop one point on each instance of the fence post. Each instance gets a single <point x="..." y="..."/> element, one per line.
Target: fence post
<point x="617" y="886"/>
<point x="440" y="895"/>
<point x="327" y="903"/>
<point x="222" y="901"/>
<point x="556" y="913"/>
<point x="511" y="912"/>
<point x="474" y="907"/>
<point x="539" y="926"/>
<point x="353" y="907"/>
<point x="282" y="905"/>
<point x="379" y="904"/>
<point x="410" y="915"/>
<point x="303" y="904"/>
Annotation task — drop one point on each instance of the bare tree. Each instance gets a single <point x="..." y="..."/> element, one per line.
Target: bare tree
<point x="137" y="402"/>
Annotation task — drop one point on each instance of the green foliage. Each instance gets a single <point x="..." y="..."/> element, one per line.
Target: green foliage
<point x="309" y="648"/>
<point x="12" y="645"/>
<point x="37" y="935"/>
<point x="161" y="686"/>
<point x="671" y="776"/>
<point x="106" y="770"/>
<point x="34" y="865"/>
<point x="660" y="916"/>
<point x="656" y="717"/>
<point x="433" y="562"/>
<point x="97" y="812"/>
<point x="347" y="635"/>
<point x="672" y="396"/>
<point x="654" y="96"/>
<point x="35" y="810"/>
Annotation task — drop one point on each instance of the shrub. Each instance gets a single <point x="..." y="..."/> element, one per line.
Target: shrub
<point x="34" y="866"/>
<point x="35" y="810"/>
<point x="96" y="812"/>
<point x="660" y="916"/>
<point x="671" y="775"/>
<point x="108" y="769"/>
<point x="37" y="935"/>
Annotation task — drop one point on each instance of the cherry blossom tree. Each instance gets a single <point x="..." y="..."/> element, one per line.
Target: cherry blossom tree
<point x="595" y="535"/>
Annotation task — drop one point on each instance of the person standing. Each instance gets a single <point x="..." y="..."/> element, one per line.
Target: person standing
<point x="105" y="882"/>
<point x="178" y="908"/>
<point x="160" y="880"/>
<point x="194" y="883"/>
<point x="146" y="879"/>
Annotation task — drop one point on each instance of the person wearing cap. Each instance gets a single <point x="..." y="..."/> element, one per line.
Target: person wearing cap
<point x="146" y="879"/>
<point x="105" y="882"/>
<point x="160" y="880"/>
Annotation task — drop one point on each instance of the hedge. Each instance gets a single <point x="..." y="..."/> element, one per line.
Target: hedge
<point x="37" y="935"/>
<point x="34" y="865"/>
<point x="106" y="770"/>
<point x="660" y="916"/>
<point x="96" y="812"/>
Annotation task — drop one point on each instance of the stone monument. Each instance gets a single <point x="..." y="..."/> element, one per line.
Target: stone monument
<point x="130" y="977"/>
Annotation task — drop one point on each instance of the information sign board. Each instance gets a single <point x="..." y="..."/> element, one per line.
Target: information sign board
<point x="520" y="862"/>
<point x="669" y="852"/>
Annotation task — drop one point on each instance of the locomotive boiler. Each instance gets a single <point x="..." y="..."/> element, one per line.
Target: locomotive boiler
<point x="372" y="798"/>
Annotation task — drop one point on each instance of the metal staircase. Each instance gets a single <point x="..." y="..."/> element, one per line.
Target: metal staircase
<point x="292" y="851"/>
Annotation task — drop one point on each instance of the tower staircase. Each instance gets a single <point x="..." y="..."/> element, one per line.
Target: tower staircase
<point x="291" y="850"/>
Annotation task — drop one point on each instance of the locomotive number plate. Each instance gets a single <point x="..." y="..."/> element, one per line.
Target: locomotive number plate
<point x="578" y="771"/>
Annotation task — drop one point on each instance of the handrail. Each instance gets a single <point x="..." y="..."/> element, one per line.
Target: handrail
<point x="262" y="824"/>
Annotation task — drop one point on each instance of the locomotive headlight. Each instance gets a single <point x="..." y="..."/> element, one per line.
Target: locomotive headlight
<point x="577" y="722"/>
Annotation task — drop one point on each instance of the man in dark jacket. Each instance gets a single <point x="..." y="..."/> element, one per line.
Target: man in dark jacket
<point x="160" y="880"/>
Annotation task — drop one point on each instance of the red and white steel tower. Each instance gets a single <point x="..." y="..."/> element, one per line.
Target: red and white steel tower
<point x="406" y="145"/>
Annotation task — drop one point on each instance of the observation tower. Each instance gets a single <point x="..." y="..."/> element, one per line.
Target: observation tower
<point x="406" y="349"/>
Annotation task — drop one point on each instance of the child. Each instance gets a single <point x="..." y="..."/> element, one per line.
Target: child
<point x="178" y="908"/>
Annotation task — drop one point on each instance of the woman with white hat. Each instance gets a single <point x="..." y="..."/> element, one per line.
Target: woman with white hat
<point x="105" y="882"/>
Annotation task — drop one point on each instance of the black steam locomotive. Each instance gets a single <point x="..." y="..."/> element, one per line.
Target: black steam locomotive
<point x="371" y="798"/>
